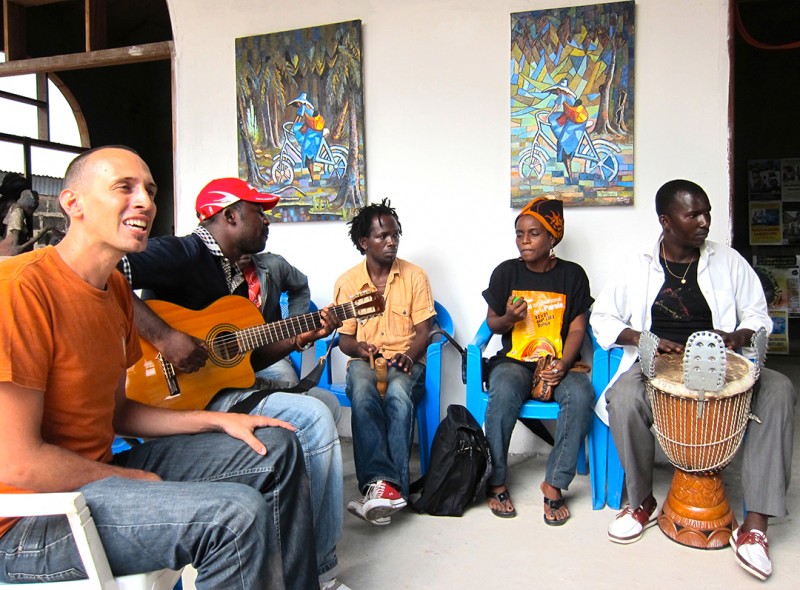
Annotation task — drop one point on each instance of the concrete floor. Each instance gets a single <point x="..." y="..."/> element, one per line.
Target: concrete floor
<point x="481" y="551"/>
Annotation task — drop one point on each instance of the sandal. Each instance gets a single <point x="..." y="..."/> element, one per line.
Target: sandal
<point x="554" y="505"/>
<point x="505" y="500"/>
<point x="551" y="506"/>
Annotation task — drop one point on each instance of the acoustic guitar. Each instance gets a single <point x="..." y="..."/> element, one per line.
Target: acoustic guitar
<point x="232" y="328"/>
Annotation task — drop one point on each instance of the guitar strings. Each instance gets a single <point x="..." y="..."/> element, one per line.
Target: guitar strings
<point x="256" y="331"/>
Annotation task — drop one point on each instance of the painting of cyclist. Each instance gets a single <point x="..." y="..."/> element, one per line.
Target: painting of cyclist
<point x="308" y="129"/>
<point x="567" y="119"/>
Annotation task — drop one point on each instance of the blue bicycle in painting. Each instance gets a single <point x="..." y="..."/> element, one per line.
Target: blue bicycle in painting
<point x="598" y="155"/>
<point x="333" y="158"/>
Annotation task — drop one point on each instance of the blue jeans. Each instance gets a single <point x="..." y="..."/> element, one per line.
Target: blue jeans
<point x="319" y="440"/>
<point x="509" y="388"/>
<point x="383" y="430"/>
<point x="240" y="518"/>
<point x="281" y="374"/>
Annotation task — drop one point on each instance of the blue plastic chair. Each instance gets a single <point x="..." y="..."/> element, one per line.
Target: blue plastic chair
<point x="295" y="357"/>
<point x="428" y="408"/>
<point x="478" y="398"/>
<point x="610" y="475"/>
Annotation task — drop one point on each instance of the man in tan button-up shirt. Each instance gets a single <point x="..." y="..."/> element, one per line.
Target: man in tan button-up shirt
<point x="383" y="428"/>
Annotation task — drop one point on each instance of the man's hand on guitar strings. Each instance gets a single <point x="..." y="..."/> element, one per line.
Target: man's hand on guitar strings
<point x="187" y="353"/>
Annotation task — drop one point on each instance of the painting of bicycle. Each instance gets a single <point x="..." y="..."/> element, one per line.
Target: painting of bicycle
<point x="572" y="104"/>
<point x="301" y="120"/>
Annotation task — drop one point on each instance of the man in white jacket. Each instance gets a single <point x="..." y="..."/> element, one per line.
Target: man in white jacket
<point x="685" y="284"/>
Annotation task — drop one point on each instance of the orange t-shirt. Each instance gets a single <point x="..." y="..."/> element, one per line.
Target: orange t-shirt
<point x="60" y="335"/>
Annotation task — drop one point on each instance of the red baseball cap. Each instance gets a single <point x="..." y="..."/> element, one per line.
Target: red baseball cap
<point x="224" y="192"/>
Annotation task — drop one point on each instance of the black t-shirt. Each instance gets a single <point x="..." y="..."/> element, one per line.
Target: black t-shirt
<point x="555" y="298"/>
<point x="181" y="270"/>
<point x="680" y="308"/>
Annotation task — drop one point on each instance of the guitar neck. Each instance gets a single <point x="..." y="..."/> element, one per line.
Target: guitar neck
<point x="257" y="336"/>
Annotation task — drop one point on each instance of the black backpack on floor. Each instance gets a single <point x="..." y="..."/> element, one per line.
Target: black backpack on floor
<point x="459" y="467"/>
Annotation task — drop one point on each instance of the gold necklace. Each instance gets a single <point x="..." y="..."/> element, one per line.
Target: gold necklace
<point x="682" y="279"/>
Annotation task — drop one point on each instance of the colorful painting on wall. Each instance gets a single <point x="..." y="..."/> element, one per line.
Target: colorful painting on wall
<point x="300" y="110"/>
<point x="572" y="104"/>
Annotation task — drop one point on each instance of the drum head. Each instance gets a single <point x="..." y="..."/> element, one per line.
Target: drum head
<point x="739" y="376"/>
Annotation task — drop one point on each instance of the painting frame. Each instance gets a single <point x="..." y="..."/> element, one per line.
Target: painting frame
<point x="300" y="120"/>
<point x="572" y="104"/>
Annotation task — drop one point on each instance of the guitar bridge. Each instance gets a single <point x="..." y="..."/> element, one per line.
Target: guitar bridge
<point x="169" y="374"/>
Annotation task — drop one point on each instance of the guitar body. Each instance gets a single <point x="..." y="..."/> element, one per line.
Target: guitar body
<point x="150" y="381"/>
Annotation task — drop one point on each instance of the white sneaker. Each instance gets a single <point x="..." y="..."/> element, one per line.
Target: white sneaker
<point x="356" y="508"/>
<point x="382" y="499"/>
<point x="629" y="525"/>
<point x="333" y="584"/>
<point x="752" y="552"/>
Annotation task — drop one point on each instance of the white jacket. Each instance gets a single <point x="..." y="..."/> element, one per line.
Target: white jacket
<point x="729" y="285"/>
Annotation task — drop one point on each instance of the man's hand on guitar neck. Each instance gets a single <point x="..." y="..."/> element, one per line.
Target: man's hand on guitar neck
<point x="271" y="353"/>
<point x="329" y="323"/>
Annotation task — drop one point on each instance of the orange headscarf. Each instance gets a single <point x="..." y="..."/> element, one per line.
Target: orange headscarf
<point x="549" y="212"/>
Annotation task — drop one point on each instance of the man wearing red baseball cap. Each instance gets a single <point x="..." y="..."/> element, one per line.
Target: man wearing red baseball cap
<point x="223" y="192"/>
<point x="195" y="271"/>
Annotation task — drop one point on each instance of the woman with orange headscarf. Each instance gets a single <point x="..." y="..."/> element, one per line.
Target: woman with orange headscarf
<point x="539" y="304"/>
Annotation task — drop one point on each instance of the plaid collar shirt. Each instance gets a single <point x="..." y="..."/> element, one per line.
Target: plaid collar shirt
<point x="233" y="275"/>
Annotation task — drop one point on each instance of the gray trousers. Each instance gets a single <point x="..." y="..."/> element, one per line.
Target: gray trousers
<point x="767" y="447"/>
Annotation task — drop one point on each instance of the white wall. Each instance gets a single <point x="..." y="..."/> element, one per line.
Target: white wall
<point x="436" y="79"/>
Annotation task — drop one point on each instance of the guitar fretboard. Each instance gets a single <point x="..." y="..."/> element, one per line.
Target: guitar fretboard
<point x="252" y="338"/>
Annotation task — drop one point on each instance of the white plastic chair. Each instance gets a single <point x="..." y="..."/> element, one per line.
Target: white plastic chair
<point x="95" y="563"/>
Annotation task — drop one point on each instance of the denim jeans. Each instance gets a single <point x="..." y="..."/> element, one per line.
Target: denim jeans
<point x="383" y="430"/>
<point x="509" y="388"/>
<point x="240" y="518"/>
<point x="279" y="374"/>
<point x="319" y="440"/>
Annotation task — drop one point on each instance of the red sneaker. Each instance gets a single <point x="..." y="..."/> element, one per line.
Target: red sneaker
<point x="382" y="499"/>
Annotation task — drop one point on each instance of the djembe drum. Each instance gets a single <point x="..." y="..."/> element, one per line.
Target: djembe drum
<point x="701" y="408"/>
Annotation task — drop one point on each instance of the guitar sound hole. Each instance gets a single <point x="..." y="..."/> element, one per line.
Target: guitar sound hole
<point x="225" y="346"/>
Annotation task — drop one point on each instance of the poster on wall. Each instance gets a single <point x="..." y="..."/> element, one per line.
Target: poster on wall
<point x="780" y="278"/>
<point x="764" y="180"/>
<point x="791" y="222"/>
<point x="778" y="341"/>
<point x="572" y="104"/>
<point x="300" y="119"/>
<point x="766" y="223"/>
<point x="790" y="179"/>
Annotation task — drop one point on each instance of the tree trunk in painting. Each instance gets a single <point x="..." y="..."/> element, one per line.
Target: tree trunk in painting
<point x="246" y="148"/>
<point x="262" y="113"/>
<point x="619" y="112"/>
<point x="276" y="132"/>
<point x="264" y="116"/>
<point x="604" y="125"/>
<point x="338" y="129"/>
<point x="350" y="189"/>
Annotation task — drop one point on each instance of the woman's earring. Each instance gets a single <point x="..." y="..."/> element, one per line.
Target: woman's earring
<point x="552" y="252"/>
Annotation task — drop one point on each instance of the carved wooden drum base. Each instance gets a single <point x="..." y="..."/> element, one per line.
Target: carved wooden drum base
<point x="696" y="512"/>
